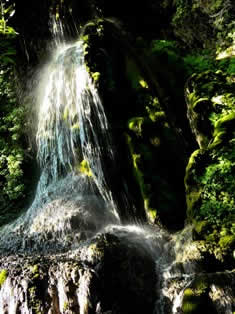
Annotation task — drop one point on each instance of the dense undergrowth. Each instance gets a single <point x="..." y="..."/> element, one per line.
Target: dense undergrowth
<point x="13" y="146"/>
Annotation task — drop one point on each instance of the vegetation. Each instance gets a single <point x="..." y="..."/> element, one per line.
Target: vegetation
<point x="12" y="122"/>
<point x="218" y="185"/>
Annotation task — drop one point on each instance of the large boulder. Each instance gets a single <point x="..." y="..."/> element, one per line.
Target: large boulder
<point x="107" y="274"/>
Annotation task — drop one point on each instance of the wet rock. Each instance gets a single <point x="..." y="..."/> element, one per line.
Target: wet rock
<point x="212" y="293"/>
<point x="106" y="275"/>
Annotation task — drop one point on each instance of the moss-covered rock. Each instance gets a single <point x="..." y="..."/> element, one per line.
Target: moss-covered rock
<point x="210" y="198"/>
<point x="196" y="298"/>
<point x="154" y="170"/>
<point x="210" y="107"/>
<point x="84" y="168"/>
<point x="206" y="291"/>
<point x="209" y="176"/>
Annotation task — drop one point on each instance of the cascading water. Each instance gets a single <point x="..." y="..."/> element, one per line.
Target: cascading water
<point x="72" y="112"/>
<point x="72" y="134"/>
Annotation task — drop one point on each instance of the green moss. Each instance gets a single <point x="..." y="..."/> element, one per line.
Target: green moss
<point x="201" y="226"/>
<point x="191" y="164"/>
<point x="139" y="175"/>
<point x="222" y="128"/>
<point x="145" y="188"/>
<point x="3" y="276"/>
<point x="35" y="271"/>
<point x="198" y="62"/>
<point x="215" y="5"/>
<point x="143" y="83"/>
<point x="75" y="126"/>
<point x="210" y="198"/>
<point x="196" y="298"/>
<point x="198" y="105"/>
<point x="136" y="125"/>
<point x="211" y="107"/>
<point x="85" y="168"/>
<point x="224" y="121"/>
<point x="66" y="306"/>
<point x="227" y="241"/>
<point x="219" y="137"/>
<point x="35" y="303"/>
<point x="190" y="302"/>
<point x="191" y="199"/>
<point x="95" y="76"/>
<point x="85" y="39"/>
<point x="156" y="116"/>
<point x="151" y="212"/>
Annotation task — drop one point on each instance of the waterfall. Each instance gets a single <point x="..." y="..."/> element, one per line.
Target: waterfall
<point x="73" y="145"/>
<point x="72" y="112"/>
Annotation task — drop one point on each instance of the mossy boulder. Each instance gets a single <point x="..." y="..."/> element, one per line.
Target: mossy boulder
<point x="210" y="198"/>
<point x="204" y="292"/>
<point x="209" y="178"/>
<point x="211" y="106"/>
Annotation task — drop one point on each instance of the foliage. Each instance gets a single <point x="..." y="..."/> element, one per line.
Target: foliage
<point x="163" y="45"/>
<point x="210" y="173"/>
<point x="6" y="12"/>
<point x="11" y="151"/>
<point x="204" y="60"/>
<point x="227" y="65"/>
<point x="198" y="62"/>
<point x="7" y="35"/>
<point x="182" y="11"/>
<point x="12" y="123"/>
<point x="218" y="201"/>
<point x="166" y="47"/>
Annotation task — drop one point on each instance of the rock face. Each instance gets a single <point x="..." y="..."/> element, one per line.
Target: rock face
<point x="213" y="293"/>
<point x="106" y="275"/>
<point x="154" y="159"/>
